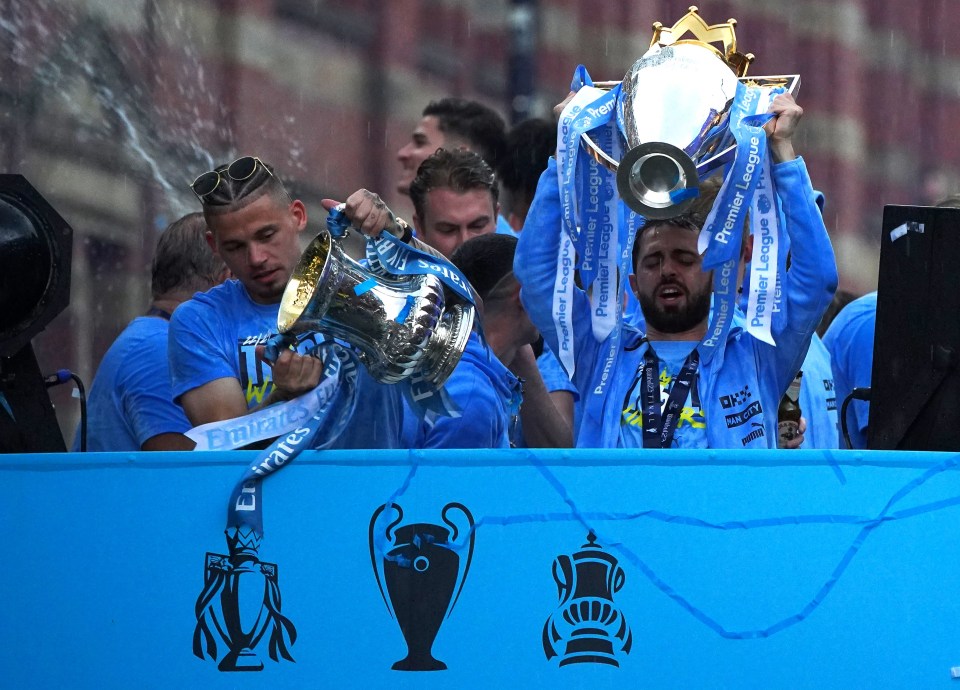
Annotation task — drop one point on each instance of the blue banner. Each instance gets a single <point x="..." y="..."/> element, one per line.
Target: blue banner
<point x="501" y="568"/>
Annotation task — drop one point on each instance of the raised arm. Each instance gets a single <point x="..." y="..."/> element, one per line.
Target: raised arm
<point x="812" y="277"/>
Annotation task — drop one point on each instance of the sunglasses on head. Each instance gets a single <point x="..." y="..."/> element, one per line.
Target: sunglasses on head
<point x="241" y="169"/>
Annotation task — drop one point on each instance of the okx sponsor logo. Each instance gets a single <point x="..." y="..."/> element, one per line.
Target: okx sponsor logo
<point x="736" y="399"/>
<point x="738" y="418"/>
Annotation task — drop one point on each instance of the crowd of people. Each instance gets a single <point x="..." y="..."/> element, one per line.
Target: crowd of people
<point x="488" y="200"/>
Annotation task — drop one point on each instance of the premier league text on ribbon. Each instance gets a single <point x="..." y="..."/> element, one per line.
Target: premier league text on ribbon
<point x="733" y="220"/>
<point x="563" y="293"/>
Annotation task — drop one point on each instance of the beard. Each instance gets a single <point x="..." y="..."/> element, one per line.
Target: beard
<point x="676" y="319"/>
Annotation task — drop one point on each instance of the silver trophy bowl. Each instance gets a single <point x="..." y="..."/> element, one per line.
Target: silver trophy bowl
<point x="673" y="114"/>
<point x="400" y="326"/>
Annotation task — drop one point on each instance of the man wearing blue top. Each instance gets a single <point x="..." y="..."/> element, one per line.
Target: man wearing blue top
<point x="849" y="339"/>
<point x="216" y="372"/>
<point x="451" y="184"/>
<point x="486" y="391"/>
<point x="655" y="392"/>
<point x="131" y="406"/>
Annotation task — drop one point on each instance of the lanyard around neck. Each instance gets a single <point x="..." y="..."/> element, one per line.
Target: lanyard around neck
<point x="659" y="427"/>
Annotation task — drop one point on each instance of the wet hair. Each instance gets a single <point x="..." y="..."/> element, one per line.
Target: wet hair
<point x="481" y="127"/>
<point x="485" y="261"/>
<point x="183" y="260"/>
<point x="529" y="146"/>
<point x="458" y="170"/>
<point x="693" y="219"/>
<point x="232" y="195"/>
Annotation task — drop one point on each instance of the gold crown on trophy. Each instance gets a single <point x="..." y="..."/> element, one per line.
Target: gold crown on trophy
<point x="705" y="35"/>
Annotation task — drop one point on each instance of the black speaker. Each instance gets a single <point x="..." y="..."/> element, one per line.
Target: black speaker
<point x="915" y="387"/>
<point x="35" y="253"/>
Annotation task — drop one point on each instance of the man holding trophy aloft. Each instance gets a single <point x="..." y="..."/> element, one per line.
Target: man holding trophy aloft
<point x="656" y="182"/>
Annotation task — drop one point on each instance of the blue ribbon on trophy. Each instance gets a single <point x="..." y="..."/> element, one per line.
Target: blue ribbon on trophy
<point x="588" y="209"/>
<point x="767" y="262"/>
<point x="722" y="234"/>
<point x="239" y="581"/>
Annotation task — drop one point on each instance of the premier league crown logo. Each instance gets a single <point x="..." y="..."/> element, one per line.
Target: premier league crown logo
<point x="241" y="603"/>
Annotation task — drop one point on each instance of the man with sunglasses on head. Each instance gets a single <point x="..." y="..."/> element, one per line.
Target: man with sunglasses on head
<point x="216" y="369"/>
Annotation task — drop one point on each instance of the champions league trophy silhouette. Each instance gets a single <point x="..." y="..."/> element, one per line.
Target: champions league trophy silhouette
<point x="420" y="574"/>
<point x="241" y="598"/>
<point x="587" y="625"/>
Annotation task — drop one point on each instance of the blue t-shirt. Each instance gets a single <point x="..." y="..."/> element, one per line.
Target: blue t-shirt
<point x="130" y="400"/>
<point x="215" y="335"/>
<point x="850" y="343"/>
<point x="488" y="396"/>
<point x="818" y="398"/>
<point x="554" y="376"/>
<point x="691" y="431"/>
<point x="504" y="228"/>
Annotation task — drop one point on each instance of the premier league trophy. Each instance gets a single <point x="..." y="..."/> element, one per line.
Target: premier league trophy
<point x="420" y="572"/>
<point x="241" y="602"/>
<point x="673" y="114"/>
<point x="399" y="324"/>
<point x="637" y="150"/>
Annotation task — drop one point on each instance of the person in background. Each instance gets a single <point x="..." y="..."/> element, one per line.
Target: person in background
<point x="529" y="146"/>
<point x="455" y="123"/>
<point x="487" y="393"/>
<point x="216" y="369"/>
<point x="849" y="340"/>
<point x="130" y="406"/>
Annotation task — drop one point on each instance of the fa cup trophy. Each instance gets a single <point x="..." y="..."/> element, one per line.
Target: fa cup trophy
<point x="587" y="626"/>
<point x="400" y="324"/>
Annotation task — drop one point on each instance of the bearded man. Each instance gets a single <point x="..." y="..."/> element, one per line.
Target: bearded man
<point x="653" y="391"/>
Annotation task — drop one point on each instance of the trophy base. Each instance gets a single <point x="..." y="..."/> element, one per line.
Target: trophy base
<point x="419" y="663"/>
<point x="244" y="660"/>
<point x="447" y="344"/>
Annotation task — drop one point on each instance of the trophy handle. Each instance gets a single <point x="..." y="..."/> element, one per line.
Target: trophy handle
<point x="376" y="558"/>
<point x="565" y="577"/>
<point x="617" y="578"/>
<point x="471" y="537"/>
<point x="599" y="155"/>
